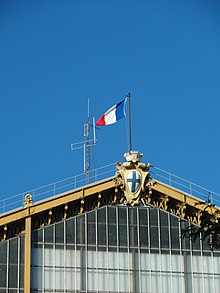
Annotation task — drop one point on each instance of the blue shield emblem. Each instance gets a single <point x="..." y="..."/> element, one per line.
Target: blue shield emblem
<point x="134" y="181"/>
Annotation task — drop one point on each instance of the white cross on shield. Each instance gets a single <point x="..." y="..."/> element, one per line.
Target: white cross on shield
<point x="134" y="181"/>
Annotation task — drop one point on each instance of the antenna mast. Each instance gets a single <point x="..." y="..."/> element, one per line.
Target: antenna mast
<point x="87" y="147"/>
<point x="86" y="144"/>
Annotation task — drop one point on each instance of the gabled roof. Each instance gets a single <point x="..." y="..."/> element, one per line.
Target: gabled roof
<point x="107" y="192"/>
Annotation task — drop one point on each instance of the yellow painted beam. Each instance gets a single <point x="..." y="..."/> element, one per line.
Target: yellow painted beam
<point x="183" y="197"/>
<point x="27" y="257"/>
<point x="61" y="199"/>
<point x="13" y="216"/>
<point x="70" y="197"/>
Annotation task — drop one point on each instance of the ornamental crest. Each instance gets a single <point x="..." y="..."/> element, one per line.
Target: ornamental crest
<point x="133" y="181"/>
<point x="132" y="177"/>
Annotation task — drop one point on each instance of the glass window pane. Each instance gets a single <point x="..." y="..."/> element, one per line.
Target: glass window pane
<point x="155" y="282"/>
<point x="185" y="234"/>
<point x="3" y="252"/>
<point x="92" y="277"/>
<point x="208" y="265"/>
<point x="145" y="264"/>
<point x="175" y="238"/>
<point x="59" y="278"/>
<point x="144" y="236"/>
<point x="59" y="255"/>
<point x="48" y="280"/>
<point x="37" y="255"/>
<point x="112" y="215"/>
<point x="165" y="280"/>
<point x="133" y="235"/>
<point x="153" y="217"/>
<point x="37" y="235"/>
<point x="133" y="232"/>
<point x="22" y="247"/>
<point x="113" y="281"/>
<point x="102" y="234"/>
<point x="59" y="232"/>
<point x="163" y="218"/>
<point x="164" y="237"/>
<point x="122" y="215"/>
<point x="122" y="235"/>
<point x="197" y="283"/>
<point x="101" y="215"/>
<point x="70" y="256"/>
<point x="91" y="217"/>
<point x="70" y="231"/>
<point x="124" y="281"/>
<point x="216" y="260"/>
<point x="3" y="275"/>
<point x="13" y="251"/>
<point x="13" y="276"/>
<point x="91" y="234"/>
<point x="154" y="237"/>
<point x="48" y="255"/>
<point x="195" y="237"/>
<point x="208" y="284"/>
<point x="122" y="226"/>
<point x="174" y="221"/>
<point x="143" y="217"/>
<point x="165" y="262"/>
<point x="112" y="230"/>
<point x="176" y="261"/>
<point x="48" y="234"/>
<point x="92" y="257"/>
<point x="21" y="274"/>
<point x="80" y="229"/>
<point x="206" y="243"/>
<point x="112" y="234"/>
<point x="132" y="216"/>
<point x="70" y="280"/>
<point x="36" y="278"/>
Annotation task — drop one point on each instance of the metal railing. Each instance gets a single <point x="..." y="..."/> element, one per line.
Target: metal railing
<point x="58" y="187"/>
<point x="53" y="189"/>
<point x="186" y="186"/>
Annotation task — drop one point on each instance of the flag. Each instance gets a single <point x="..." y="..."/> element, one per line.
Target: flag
<point x="113" y="114"/>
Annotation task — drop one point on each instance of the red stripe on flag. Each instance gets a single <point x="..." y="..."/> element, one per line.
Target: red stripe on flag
<point x="101" y="121"/>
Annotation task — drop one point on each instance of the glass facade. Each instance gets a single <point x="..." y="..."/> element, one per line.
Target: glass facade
<point x="12" y="265"/>
<point x="119" y="249"/>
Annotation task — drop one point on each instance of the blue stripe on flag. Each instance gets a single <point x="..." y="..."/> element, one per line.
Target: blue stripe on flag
<point x="120" y="111"/>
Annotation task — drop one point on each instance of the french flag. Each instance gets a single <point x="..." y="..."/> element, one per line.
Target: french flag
<point x="113" y="114"/>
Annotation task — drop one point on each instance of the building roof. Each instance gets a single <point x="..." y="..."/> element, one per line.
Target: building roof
<point x="110" y="191"/>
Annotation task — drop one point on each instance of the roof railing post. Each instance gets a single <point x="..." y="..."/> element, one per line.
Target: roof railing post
<point x="95" y="174"/>
<point x="190" y="188"/>
<point x="170" y="180"/>
<point x="3" y="206"/>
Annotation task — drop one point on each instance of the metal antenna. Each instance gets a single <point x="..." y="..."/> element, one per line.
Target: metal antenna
<point x="86" y="144"/>
<point x="87" y="147"/>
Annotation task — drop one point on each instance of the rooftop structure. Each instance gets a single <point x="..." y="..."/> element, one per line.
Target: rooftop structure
<point x="127" y="233"/>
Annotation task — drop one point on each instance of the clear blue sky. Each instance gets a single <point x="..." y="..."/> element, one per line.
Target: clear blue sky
<point x="55" y="54"/>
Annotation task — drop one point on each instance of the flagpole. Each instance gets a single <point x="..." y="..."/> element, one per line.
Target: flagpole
<point x="129" y="121"/>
